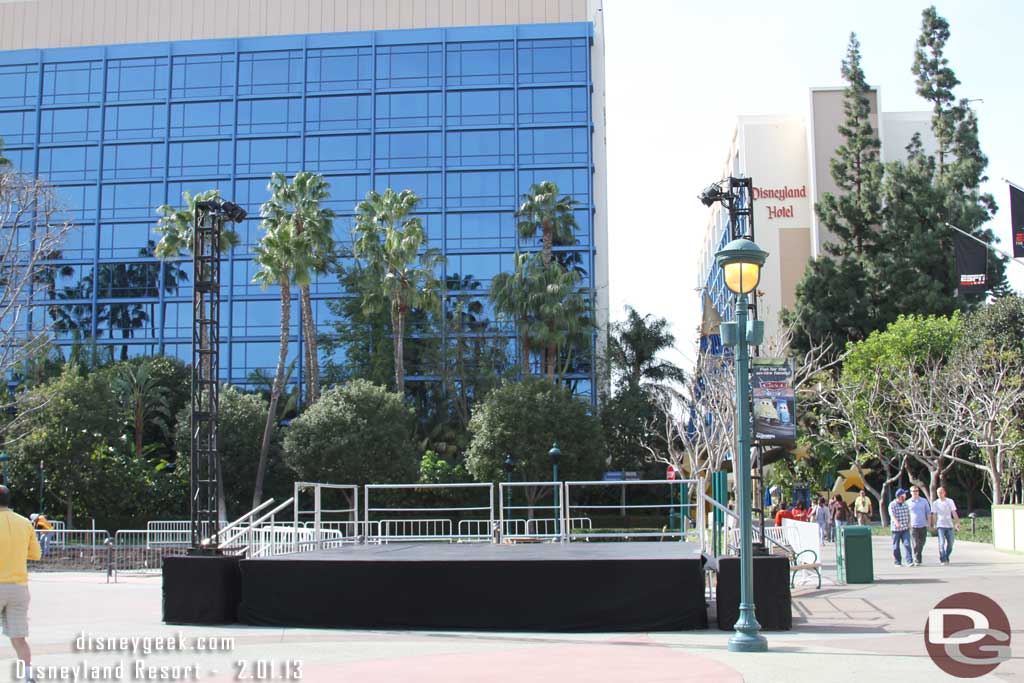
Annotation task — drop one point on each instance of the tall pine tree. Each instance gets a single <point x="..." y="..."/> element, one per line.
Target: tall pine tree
<point x="836" y="301"/>
<point x="929" y="191"/>
<point x="894" y="252"/>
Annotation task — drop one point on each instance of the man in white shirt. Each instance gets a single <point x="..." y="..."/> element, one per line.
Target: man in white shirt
<point x="944" y="512"/>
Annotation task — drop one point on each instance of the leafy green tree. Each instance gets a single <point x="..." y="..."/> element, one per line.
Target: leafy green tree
<point x="524" y="419"/>
<point x="357" y="433"/>
<point x="241" y="416"/>
<point x="66" y="421"/>
<point x="398" y="273"/>
<point x="4" y="161"/>
<point x="836" y="300"/>
<point x="298" y="202"/>
<point x="1000" y="323"/>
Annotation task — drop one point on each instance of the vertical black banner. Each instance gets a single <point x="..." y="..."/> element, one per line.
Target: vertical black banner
<point x="971" y="264"/>
<point x="1017" y="220"/>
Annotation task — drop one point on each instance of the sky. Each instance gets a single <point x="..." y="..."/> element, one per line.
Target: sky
<point x="680" y="72"/>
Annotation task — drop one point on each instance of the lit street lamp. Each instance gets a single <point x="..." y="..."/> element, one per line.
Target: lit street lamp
<point x="741" y="261"/>
<point x="555" y="454"/>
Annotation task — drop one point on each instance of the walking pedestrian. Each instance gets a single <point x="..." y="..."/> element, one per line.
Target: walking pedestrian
<point x="945" y="515"/>
<point x="839" y="513"/>
<point x="821" y="518"/>
<point x="899" y="517"/>
<point x="18" y="544"/>
<point x="920" y="516"/>
<point x="862" y="507"/>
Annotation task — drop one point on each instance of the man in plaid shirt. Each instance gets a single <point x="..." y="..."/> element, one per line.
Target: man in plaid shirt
<point x="899" y="517"/>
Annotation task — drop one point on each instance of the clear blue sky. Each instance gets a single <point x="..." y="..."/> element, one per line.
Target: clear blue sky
<point x="680" y="72"/>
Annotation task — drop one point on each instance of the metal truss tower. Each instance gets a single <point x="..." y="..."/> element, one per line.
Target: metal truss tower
<point x="205" y="481"/>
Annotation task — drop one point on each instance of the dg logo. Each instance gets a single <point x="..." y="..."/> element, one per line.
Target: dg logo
<point x="967" y="635"/>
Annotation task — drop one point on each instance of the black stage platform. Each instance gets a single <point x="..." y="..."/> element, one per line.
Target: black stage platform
<point x="530" y="587"/>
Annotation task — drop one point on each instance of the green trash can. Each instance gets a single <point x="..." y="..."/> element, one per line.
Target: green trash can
<point x="853" y="555"/>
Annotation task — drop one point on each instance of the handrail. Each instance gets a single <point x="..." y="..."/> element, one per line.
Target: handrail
<point x="262" y="519"/>
<point x="247" y="515"/>
<point x="718" y="505"/>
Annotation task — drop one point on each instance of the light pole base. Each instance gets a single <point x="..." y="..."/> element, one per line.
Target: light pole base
<point x="747" y="642"/>
<point x="747" y="635"/>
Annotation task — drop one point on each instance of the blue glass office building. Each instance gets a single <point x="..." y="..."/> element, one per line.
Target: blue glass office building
<point x="466" y="117"/>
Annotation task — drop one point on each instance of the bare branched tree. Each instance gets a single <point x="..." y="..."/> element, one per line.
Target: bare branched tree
<point x="934" y="419"/>
<point x="988" y="392"/>
<point x="31" y="236"/>
<point x="860" y="419"/>
<point x="694" y="428"/>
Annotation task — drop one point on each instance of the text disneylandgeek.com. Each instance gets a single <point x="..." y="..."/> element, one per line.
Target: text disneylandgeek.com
<point x="142" y="663"/>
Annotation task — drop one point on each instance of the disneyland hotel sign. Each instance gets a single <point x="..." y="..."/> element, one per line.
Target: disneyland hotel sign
<point x="780" y="194"/>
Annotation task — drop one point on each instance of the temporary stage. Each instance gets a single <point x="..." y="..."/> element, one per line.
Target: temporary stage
<point x="555" y="587"/>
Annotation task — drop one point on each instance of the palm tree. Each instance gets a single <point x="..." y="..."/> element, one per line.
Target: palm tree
<point x="176" y="225"/>
<point x="299" y="202"/>
<point x="553" y="215"/>
<point x="542" y="209"/>
<point x="146" y="400"/>
<point x="510" y="294"/>
<point x="561" y="312"/>
<point x="276" y="254"/>
<point x="398" y="274"/>
<point x="633" y="348"/>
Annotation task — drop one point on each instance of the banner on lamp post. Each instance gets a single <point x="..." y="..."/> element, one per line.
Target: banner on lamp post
<point x="971" y="265"/>
<point x="1017" y="220"/>
<point x="774" y="401"/>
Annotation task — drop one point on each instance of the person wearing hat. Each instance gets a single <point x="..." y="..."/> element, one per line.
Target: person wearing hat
<point x="43" y="529"/>
<point x="899" y="518"/>
<point x="18" y="544"/>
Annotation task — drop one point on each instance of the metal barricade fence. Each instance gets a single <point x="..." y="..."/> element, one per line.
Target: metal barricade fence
<point x="664" y="515"/>
<point x="416" y="530"/>
<point x="433" y="526"/>
<point x="549" y="527"/>
<point x="72" y="550"/>
<point x="137" y="552"/>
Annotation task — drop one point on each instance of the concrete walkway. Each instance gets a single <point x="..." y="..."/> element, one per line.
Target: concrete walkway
<point x="841" y="633"/>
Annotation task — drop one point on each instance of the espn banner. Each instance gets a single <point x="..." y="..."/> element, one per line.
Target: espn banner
<point x="971" y="265"/>
<point x="1017" y="220"/>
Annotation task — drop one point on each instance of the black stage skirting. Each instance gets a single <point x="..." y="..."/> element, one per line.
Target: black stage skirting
<point x="535" y="587"/>
<point x="201" y="589"/>
<point x="773" y="602"/>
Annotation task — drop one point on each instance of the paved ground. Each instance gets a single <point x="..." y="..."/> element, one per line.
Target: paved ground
<point x="841" y="633"/>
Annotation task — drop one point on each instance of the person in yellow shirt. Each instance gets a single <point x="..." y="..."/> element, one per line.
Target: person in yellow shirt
<point x="862" y="508"/>
<point x="18" y="544"/>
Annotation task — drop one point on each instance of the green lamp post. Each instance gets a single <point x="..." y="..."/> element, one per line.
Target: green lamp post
<point x="509" y="465"/>
<point x="741" y="262"/>
<point x="555" y="455"/>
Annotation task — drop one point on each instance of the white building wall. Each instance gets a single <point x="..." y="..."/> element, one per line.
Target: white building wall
<point x="69" y="23"/>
